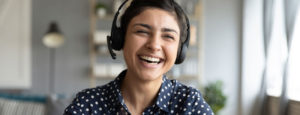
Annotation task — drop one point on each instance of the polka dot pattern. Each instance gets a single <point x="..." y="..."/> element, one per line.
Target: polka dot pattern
<point x="173" y="98"/>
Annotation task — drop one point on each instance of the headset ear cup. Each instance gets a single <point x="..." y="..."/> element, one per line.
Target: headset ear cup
<point x="180" y="58"/>
<point x="117" y="39"/>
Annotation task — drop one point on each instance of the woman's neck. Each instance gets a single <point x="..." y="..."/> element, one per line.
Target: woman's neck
<point x="139" y="94"/>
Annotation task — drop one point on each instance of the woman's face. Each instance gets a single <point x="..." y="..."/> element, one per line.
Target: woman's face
<point x="151" y="44"/>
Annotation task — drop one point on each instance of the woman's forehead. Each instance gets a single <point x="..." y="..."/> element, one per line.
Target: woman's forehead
<point x="156" y="18"/>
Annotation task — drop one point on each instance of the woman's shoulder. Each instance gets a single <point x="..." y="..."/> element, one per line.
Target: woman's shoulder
<point x="185" y="93"/>
<point x="189" y="99"/>
<point x="185" y="90"/>
<point x="90" y="99"/>
<point x="95" y="91"/>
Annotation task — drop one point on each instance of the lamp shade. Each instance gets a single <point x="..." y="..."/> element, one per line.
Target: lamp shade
<point x="53" y="38"/>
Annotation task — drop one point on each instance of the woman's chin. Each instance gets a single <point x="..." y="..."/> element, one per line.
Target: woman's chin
<point x="149" y="75"/>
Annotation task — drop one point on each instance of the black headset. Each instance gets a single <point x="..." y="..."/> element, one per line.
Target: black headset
<point x="116" y="39"/>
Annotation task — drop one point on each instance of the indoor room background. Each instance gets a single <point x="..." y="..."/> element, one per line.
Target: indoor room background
<point x="246" y="48"/>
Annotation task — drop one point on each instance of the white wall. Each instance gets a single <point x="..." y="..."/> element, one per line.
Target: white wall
<point x="253" y="57"/>
<point x="15" y="45"/>
<point x="222" y="39"/>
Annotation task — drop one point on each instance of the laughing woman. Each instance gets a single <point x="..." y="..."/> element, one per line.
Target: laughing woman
<point x="153" y="35"/>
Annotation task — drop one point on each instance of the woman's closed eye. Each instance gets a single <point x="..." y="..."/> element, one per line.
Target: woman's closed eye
<point x="169" y="36"/>
<point x="142" y="32"/>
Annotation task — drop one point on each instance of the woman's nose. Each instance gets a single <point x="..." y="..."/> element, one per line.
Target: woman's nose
<point x="154" y="43"/>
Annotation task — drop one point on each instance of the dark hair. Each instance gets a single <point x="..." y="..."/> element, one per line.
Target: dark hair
<point x="138" y="6"/>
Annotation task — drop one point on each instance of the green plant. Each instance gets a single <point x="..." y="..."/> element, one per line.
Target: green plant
<point x="214" y="96"/>
<point x="100" y="5"/>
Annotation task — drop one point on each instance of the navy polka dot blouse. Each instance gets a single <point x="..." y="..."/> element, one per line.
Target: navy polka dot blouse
<point x="173" y="98"/>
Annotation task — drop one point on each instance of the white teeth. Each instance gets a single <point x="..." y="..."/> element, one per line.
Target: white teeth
<point x="152" y="59"/>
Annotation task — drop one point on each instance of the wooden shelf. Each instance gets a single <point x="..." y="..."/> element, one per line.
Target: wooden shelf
<point x="109" y="17"/>
<point x="105" y="77"/>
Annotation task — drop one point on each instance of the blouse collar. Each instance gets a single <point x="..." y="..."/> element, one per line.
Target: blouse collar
<point x="162" y="100"/>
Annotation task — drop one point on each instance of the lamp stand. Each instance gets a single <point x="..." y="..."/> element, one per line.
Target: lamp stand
<point x="52" y="71"/>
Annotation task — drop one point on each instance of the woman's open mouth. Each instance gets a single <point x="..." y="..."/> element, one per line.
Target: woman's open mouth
<point x="150" y="59"/>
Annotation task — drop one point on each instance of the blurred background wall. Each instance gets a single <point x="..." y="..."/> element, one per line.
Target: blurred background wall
<point x="222" y="37"/>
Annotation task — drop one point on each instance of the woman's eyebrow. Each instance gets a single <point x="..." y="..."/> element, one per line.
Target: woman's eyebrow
<point x="143" y="25"/>
<point x="149" y="27"/>
<point x="169" y="30"/>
